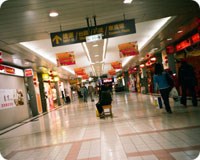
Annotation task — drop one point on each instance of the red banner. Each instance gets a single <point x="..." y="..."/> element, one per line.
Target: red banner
<point x="85" y="76"/>
<point x="79" y="71"/>
<point x="28" y="72"/>
<point x="112" y="72"/>
<point x="128" y="49"/>
<point x="66" y="58"/>
<point x="116" y="65"/>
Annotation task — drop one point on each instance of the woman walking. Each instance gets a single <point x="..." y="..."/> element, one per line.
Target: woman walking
<point x="161" y="84"/>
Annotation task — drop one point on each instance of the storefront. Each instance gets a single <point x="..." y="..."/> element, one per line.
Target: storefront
<point x="14" y="100"/>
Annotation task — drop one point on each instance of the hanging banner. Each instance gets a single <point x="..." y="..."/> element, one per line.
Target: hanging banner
<point x="128" y="49"/>
<point x="79" y="71"/>
<point x="85" y="76"/>
<point x="112" y="72"/>
<point x="11" y="98"/>
<point x="116" y="65"/>
<point x="73" y="81"/>
<point x="66" y="58"/>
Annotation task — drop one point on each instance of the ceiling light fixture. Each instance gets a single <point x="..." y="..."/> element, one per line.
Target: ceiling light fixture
<point x="104" y="48"/>
<point x="128" y="1"/>
<point x="87" y="51"/>
<point x="53" y="14"/>
<point x="95" y="45"/>
<point x="96" y="55"/>
<point x="1" y="2"/>
<point x="169" y="39"/>
<point x="93" y="70"/>
<point x="180" y="31"/>
<point x="198" y="2"/>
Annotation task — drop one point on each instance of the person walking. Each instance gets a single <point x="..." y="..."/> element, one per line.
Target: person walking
<point x="187" y="81"/>
<point x="91" y="91"/>
<point x="84" y="92"/>
<point x="161" y="84"/>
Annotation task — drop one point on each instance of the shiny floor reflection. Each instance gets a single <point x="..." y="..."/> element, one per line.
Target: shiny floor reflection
<point x="137" y="131"/>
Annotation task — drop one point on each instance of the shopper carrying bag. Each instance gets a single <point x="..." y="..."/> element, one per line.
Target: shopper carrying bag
<point x="161" y="84"/>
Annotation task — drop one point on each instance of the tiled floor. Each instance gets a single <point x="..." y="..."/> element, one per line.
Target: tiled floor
<point x="138" y="131"/>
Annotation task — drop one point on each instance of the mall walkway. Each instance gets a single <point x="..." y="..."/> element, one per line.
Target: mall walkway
<point x="138" y="131"/>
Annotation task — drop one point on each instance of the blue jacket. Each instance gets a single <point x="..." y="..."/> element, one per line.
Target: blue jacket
<point x="160" y="81"/>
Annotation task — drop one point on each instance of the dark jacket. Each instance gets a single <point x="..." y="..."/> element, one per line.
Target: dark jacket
<point x="186" y="75"/>
<point x="105" y="98"/>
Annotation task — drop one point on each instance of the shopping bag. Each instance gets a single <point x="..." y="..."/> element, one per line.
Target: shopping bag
<point x="156" y="101"/>
<point x="153" y="100"/>
<point x="173" y="93"/>
<point x="97" y="113"/>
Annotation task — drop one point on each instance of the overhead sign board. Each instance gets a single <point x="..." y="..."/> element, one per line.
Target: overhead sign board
<point x="107" y="30"/>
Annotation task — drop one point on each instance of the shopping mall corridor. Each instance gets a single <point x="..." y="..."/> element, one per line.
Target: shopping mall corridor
<point x="137" y="131"/>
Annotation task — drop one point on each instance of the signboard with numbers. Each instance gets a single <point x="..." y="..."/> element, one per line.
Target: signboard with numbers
<point x="79" y="35"/>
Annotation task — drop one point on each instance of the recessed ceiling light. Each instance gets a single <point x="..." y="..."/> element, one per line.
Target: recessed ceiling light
<point x="128" y="1"/>
<point x="53" y="14"/>
<point x="95" y="45"/>
<point x="180" y="31"/>
<point x="169" y="39"/>
<point x="96" y="55"/>
<point x="26" y="63"/>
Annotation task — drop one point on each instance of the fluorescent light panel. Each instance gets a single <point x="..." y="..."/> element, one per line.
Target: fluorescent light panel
<point x="53" y="14"/>
<point x="87" y="51"/>
<point x="44" y="55"/>
<point x="104" y="48"/>
<point x="128" y="1"/>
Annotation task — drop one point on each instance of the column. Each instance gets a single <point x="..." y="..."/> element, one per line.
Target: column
<point x="42" y="92"/>
<point x="32" y="97"/>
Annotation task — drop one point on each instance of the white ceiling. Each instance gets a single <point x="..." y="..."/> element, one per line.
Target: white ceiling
<point x="145" y="31"/>
<point x="28" y="21"/>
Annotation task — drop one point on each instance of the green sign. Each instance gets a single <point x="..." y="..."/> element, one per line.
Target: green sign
<point x="108" y="30"/>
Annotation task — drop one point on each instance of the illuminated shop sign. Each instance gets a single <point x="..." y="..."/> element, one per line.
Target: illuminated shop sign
<point x="107" y="80"/>
<point x="184" y="44"/>
<point x="28" y="72"/>
<point x="11" y="70"/>
<point x="195" y="38"/>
